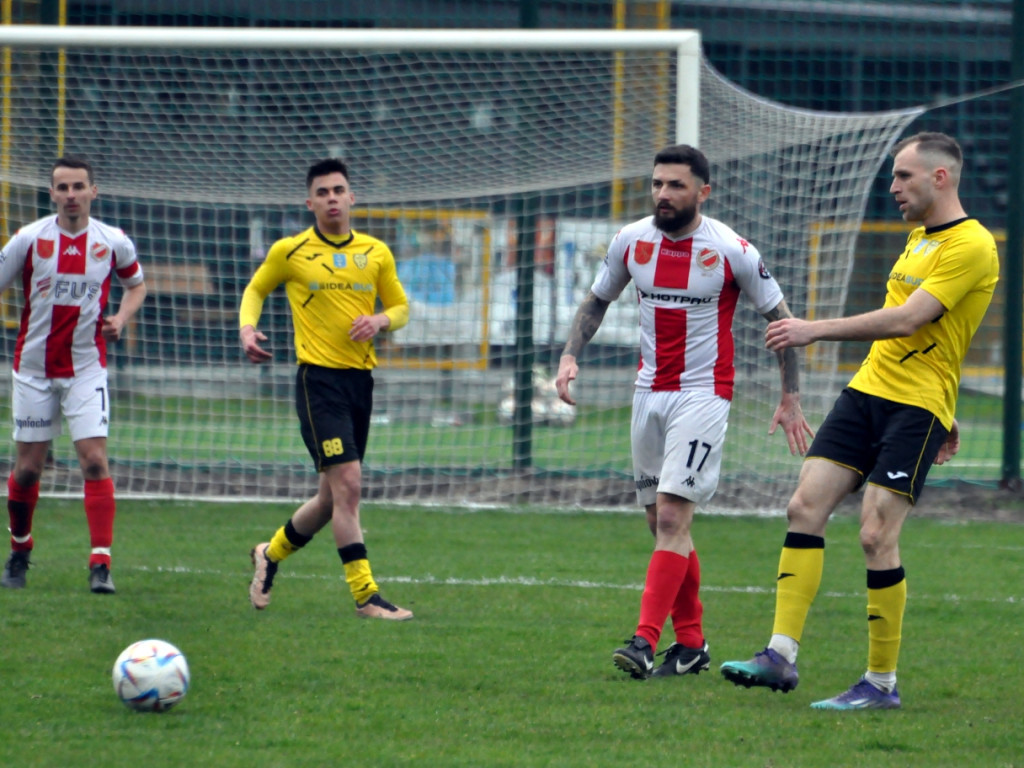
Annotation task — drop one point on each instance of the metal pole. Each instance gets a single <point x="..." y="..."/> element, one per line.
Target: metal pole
<point x="6" y="90"/>
<point x="526" y="227"/>
<point x="1013" y="274"/>
<point x="522" y="424"/>
<point x="529" y="14"/>
<point x="51" y="66"/>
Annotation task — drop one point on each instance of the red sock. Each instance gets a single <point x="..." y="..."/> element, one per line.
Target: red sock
<point x="687" y="610"/>
<point x="665" y="574"/>
<point x="99" y="512"/>
<point x="21" y="504"/>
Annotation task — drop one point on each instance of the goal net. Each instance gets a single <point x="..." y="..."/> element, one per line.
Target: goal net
<point x="497" y="166"/>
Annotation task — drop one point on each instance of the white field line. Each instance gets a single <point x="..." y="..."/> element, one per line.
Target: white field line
<point x="986" y="547"/>
<point x="529" y="581"/>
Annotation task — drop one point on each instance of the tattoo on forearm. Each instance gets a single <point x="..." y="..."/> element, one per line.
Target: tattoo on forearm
<point x="780" y="311"/>
<point x="789" y="367"/>
<point x="585" y="324"/>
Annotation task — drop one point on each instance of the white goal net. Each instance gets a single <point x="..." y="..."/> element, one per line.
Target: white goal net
<point x="497" y="166"/>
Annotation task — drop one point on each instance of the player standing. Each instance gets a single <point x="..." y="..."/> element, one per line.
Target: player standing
<point x="689" y="271"/>
<point x="66" y="263"/>
<point x="892" y="422"/>
<point x="333" y="277"/>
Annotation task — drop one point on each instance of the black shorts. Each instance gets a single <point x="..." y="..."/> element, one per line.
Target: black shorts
<point x="334" y="407"/>
<point x="888" y="444"/>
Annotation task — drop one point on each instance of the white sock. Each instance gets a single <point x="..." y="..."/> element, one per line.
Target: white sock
<point x="883" y="681"/>
<point x="785" y="646"/>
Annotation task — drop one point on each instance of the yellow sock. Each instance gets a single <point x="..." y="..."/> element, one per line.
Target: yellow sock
<point x="280" y="547"/>
<point x="360" y="580"/>
<point x="887" y="602"/>
<point x="800" y="566"/>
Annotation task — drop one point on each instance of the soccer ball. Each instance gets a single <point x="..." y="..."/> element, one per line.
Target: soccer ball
<point x="151" y="676"/>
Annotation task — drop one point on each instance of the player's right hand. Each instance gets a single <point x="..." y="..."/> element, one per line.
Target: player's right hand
<point x="951" y="446"/>
<point x="250" y="339"/>
<point x="567" y="370"/>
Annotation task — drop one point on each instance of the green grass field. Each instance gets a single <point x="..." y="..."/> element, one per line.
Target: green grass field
<point x="508" y="662"/>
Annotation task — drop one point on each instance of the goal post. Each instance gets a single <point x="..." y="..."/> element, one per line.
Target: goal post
<point x="497" y="165"/>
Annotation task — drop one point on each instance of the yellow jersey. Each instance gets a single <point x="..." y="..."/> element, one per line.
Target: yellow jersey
<point x="328" y="285"/>
<point x="957" y="264"/>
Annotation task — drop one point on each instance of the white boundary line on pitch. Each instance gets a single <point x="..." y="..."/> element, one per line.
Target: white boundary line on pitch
<point x="529" y="581"/>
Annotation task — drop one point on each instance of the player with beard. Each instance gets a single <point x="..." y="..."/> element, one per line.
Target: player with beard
<point x="688" y="271"/>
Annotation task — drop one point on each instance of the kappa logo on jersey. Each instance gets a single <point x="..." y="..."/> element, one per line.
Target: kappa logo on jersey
<point x="643" y="251"/>
<point x="762" y="270"/>
<point x="99" y="251"/>
<point x="708" y="259"/>
<point x="44" y="248"/>
<point x="72" y="250"/>
<point x="340" y="261"/>
<point x="743" y="244"/>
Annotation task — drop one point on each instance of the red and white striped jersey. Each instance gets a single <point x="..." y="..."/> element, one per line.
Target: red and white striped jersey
<point x="687" y="290"/>
<point x="66" y="281"/>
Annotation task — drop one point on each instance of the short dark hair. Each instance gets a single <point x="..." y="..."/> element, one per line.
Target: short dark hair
<point x="324" y="167"/>
<point x="932" y="141"/>
<point x="684" y="154"/>
<point x="937" y="149"/>
<point x="71" y="161"/>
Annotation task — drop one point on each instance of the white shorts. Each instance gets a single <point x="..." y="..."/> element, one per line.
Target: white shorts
<point x="677" y="440"/>
<point x="37" y="404"/>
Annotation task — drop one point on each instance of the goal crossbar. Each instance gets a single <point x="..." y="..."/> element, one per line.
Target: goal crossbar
<point x="686" y="42"/>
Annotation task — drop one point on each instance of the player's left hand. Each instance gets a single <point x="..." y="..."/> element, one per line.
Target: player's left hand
<point x="951" y="446"/>
<point x="791" y="417"/>
<point x="112" y="328"/>
<point x="365" y="327"/>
